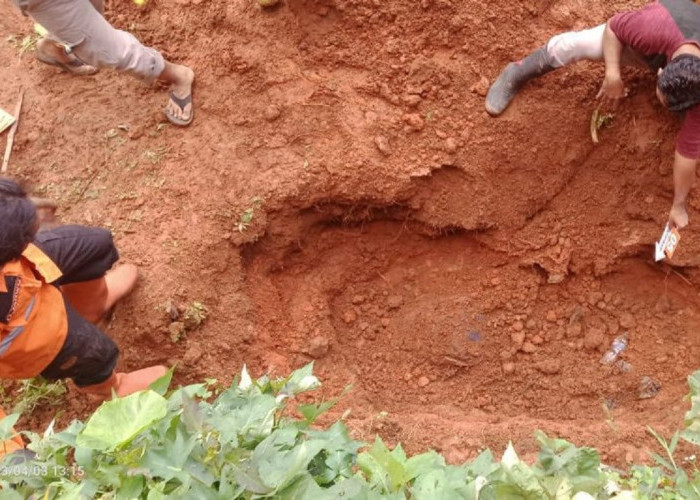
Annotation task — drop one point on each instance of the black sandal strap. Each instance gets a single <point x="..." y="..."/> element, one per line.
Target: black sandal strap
<point x="181" y="103"/>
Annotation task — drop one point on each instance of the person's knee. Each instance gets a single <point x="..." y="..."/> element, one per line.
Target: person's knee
<point x="563" y="49"/>
<point x="573" y="46"/>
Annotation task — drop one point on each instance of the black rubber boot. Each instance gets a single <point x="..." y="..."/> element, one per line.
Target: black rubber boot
<point x="514" y="76"/>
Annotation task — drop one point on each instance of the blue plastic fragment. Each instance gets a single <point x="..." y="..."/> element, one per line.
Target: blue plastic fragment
<point x="475" y="336"/>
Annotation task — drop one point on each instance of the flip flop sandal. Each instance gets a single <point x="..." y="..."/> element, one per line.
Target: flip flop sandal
<point x="75" y="66"/>
<point x="181" y="103"/>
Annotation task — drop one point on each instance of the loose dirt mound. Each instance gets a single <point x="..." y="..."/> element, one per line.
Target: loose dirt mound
<point x="342" y="196"/>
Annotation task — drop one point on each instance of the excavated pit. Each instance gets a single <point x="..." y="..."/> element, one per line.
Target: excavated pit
<point x="439" y="330"/>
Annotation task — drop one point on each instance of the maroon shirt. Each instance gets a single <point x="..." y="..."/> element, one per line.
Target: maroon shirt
<point x="657" y="31"/>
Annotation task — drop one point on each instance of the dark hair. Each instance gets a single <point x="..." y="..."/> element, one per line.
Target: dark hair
<point x="17" y="220"/>
<point x="679" y="82"/>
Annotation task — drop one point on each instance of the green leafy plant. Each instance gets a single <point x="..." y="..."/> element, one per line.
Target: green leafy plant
<point x="33" y="393"/>
<point x="246" y="442"/>
<point x="246" y="218"/>
<point x="195" y="314"/>
<point x="23" y="44"/>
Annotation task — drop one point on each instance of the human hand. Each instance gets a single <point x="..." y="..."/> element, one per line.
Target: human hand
<point x="678" y="217"/>
<point x="612" y="90"/>
<point x="46" y="212"/>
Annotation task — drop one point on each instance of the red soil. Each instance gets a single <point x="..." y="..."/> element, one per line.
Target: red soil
<point x="419" y="273"/>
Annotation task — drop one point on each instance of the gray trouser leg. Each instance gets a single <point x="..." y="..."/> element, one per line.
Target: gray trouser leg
<point x="79" y="24"/>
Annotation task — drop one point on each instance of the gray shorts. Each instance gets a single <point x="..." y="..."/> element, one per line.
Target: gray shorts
<point x="80" y="25"/>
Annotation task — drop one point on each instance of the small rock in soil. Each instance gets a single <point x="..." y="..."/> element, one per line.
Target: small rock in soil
<point x="537" y="340"/>
<point x="481" y="88"/>
<point x="383" y="145"/>
<point x="395" y="301"/>
<point x="574" y="330"/>
<point x="272" y="112"/>
<point x="385" y="322"/>
<point x="136" y="132"/>
<point x="623" y="366"/>
<point x="531" y="323"/>
<point x="414" y="121"/>
<point x="318" y="347"/>
<point x="549" y="367"/>
<point x="451" y="145"/>
<point x="358" y="299"/>
<point x="518" y="338"/>
<point x="508" y="368"/>
<point x="648" y="388"/>
<point x="172" y="310"/>
<point x="551" y="316"/>
<point x="518" y="326"/>
<point x="192" y="355"/>
<point x="627" y="321"/>
<point x="595" y="297"/>
<point x="349" y="317"/>
<point x="412" y="100"/>
<point x="177" y="330"/>
<point x="528" y="348"/>
<point x="423" y="381"/>
<point x="594" y="339"/>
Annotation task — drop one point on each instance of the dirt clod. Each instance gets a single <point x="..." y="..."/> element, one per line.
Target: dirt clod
<point x="528" y="348"/>
<point x="272" y="112"/>
<point x="318" y="347"/>
<point x="593" y="339"/>
<point x="627" y="321"/>
<point x="549" y="367"/>
<point x="423" y="381"/>
<point x="518" y="338"/>
<point x="508" y="368"/>
<point x="382" y="144"/>
<point x="481" y="87"/>
<point x="414" y="122"/>
<point x="192" y="355"/>
<point x="395" y="301"/>
<point x="349" y="317"/>
<point x="177" y="330"/>
<point x="648" y="388"/>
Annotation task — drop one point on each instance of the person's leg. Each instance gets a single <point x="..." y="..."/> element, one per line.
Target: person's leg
<point x="85" y="255"/>
<point x="89" y="358"/>
<point x="80" y="26"/>
<point x="94" y="298"/>
<point x="51" y="51"/>
<point x="559" y="51"/>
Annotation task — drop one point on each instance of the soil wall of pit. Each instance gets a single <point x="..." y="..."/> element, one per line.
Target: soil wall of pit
<point x="342" y="182"/>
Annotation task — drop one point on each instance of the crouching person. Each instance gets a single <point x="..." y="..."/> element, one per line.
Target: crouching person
<point x="50" y="282"/>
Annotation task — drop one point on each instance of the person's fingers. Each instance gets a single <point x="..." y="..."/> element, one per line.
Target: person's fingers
<point x="43" y="203"/>
<point x="600" y="93"/>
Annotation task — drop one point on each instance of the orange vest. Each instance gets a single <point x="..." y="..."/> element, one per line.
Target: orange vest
<point x="38" y="323"/>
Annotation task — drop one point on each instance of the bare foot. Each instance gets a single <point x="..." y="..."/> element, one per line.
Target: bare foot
<point x="120" y="282"/>
<point x="54" y="54"/>
<point x="179" y="109"/>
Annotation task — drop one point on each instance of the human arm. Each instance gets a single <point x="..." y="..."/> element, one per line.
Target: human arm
<point x="683" y="178"/>
<point x="613" y="87"/>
